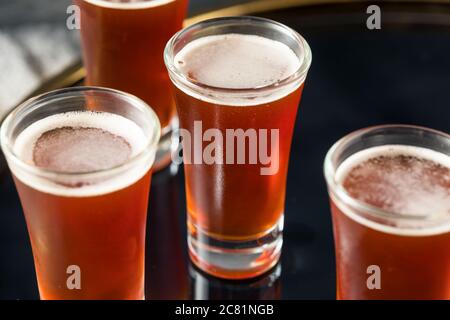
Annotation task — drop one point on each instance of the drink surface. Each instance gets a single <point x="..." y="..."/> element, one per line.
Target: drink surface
<point x="405" y="180"/>
<point x="79" y="149"/>
<point x="80" y="142"/>
<point x="238" y="61"/>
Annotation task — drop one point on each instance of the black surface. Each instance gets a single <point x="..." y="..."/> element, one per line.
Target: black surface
<point x="399" y="74"/>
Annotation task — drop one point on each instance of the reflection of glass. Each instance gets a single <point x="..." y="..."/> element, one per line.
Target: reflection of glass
<point x="235" y="209"/>
<point x="83" y="178"/>
<point x="123" y="44"/>
<point x="206" y="287"/>
<point x="166" y="275"/>
<point x="389" y="188"/>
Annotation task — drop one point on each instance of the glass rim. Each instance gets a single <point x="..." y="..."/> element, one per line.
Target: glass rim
<point x="44" y="98"/>
<point x="300" y="73"/>
<point x="336" y="189"/>
<point x="128" y="5"/>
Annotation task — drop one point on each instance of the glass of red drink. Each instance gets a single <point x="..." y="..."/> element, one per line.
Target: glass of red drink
<point x="389" y="190"/>
<point x="83" y="177"/>
<point x="239" y="81"/>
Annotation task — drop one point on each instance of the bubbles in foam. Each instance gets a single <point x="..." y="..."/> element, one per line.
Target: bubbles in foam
<point x="402" y="179"/>
<point x="80" y="149"/>
<point x="237" y="61"/>
<point x="77" y="142"/>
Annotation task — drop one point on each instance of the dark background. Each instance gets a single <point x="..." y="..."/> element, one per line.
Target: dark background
<point x="358" y="78"/>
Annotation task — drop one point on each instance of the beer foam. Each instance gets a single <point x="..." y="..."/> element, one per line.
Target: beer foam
<point x="238" y="61"/>
<point x="88" y="134"/>
<point x="407" y="180"/>
<point x="128" y="4"/>
<point x="80" y="150"/>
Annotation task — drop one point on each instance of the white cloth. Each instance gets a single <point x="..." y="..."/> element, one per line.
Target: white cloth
<point x="35" y="45"/>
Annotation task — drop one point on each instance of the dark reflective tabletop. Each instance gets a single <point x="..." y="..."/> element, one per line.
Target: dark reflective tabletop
<point x="358" y="78"/>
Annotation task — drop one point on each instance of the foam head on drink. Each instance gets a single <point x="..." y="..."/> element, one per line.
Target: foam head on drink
<point x="84" y="213"/>
<point x="405" y="180"/>
<point x="81" y="142"/>
<point x="409" y="243"/>
<point x="238" y="61"/>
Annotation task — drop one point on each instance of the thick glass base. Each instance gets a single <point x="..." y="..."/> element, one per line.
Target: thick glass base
<point x="168" y="144"/>
<point x="236" y="259"/>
